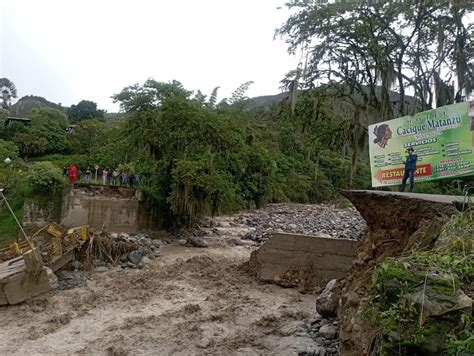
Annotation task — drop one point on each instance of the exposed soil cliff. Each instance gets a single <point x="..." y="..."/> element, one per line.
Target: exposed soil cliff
<point x="396" y="223"/>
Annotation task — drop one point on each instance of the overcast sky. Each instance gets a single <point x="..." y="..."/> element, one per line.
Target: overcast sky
<point x="67" y="51"/>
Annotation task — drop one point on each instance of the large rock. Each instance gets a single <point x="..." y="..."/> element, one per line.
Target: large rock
<point x="158" y="243"/>
<point x="436" y="303"/>
<point x="328" y="301"/>
<point x="135" y="256"/>
<point x="196" y="242"/>
<point x="328" y="331"/>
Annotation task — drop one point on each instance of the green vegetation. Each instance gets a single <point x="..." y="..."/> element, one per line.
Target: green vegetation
<point x="13" y="180"/>
<point x="44" y="177"/>
<point x="419" y="297"/>
<point x="371" y="54"/>
<point x="199" y="158"/>
<point x="85" y="110"/>
<point x="196" y="156"/>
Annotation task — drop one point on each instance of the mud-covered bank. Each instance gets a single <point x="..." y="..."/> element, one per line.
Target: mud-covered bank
<point x="397" y="223"/>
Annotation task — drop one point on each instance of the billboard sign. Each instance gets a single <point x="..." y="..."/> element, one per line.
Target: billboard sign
<point x="443" y="140"/>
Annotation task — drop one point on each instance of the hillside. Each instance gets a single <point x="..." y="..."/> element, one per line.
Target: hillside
<point x="25" y="105"/>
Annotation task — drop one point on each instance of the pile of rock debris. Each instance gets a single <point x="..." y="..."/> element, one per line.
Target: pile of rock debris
<point x="258" y="225"/>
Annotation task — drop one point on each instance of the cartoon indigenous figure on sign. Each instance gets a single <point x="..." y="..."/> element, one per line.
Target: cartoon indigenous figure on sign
<point x="382" y="135"/>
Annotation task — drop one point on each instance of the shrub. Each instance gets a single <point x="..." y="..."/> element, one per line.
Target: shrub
<point x="44" y="177"/>
<point x="8" y="149"/>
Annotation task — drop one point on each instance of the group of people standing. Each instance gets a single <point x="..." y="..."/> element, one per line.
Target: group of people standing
<point x="117" y="178"/>
<point x="109" y="177"/>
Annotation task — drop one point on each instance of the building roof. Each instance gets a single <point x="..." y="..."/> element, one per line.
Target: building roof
<point x="22" y="120"/>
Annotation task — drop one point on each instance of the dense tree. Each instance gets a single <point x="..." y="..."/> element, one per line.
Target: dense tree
<point x="29" y="144"/>
<point x="87" y="136"/>
<point x="48" y="116"/>
<point x="143" y="102"/>
<point x="85" y="110"/>
<point x="198" y="159"/>
<point x="8" y="149"/>
<point x="50" y="124"/>
<point x="14" y="129"/>
<point x="44" y="177"/>
<point x="46" y="134"/>
<point x="374" y="48"/>
<point x="190" y="148"/>
<point x="3" y="116"/>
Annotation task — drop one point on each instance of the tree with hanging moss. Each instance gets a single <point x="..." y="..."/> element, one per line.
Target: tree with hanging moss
<point x="369" y="55"/>
<point x="376" y="48"/>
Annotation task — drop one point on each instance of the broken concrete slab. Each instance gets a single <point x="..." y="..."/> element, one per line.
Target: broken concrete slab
<point x="18" y="285"/>
<point x="301" y="260"/>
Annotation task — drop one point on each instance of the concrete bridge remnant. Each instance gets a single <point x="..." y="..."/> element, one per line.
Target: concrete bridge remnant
<point x="118" y="209"/>
<point x="302" y="261"/>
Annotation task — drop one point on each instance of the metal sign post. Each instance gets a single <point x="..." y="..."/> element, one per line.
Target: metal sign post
<point x="96" y="169"/>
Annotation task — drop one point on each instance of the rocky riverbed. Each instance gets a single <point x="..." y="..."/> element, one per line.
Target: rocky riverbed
<point x="258" y="225"/>
<point x="170" y="297"/>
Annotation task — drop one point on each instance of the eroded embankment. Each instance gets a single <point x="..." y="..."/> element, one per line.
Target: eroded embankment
<point x="396" y="223"/>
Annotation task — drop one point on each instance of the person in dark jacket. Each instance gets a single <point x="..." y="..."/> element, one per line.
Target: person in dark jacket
<point x="88" y="175"/>
<point x="410" y="168"/>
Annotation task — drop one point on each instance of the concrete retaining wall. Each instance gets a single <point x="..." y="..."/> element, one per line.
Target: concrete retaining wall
<point x="116" y="213"/>
<point x="117" y="209"/>
<point x="300" y="259"/>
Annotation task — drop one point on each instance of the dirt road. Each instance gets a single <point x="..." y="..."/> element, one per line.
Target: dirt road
<point x="188" y="301"/>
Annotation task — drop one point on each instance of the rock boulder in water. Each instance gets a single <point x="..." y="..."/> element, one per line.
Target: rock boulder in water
<point x="135" y="256"/>
<point x="196" y="242"/>
<point x="328" y="301"/>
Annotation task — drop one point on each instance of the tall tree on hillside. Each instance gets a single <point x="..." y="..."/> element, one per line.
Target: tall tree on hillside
<point x="46" y="135"/>
<point x="213" y="97"/>
<point x="379" y="48"/>
<point x="238" y="95"/>
<point x="463" y="47"/>
<point x="8" y="92"/>
<point x="144" y="102"/>
<point x="85" y="110"/>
